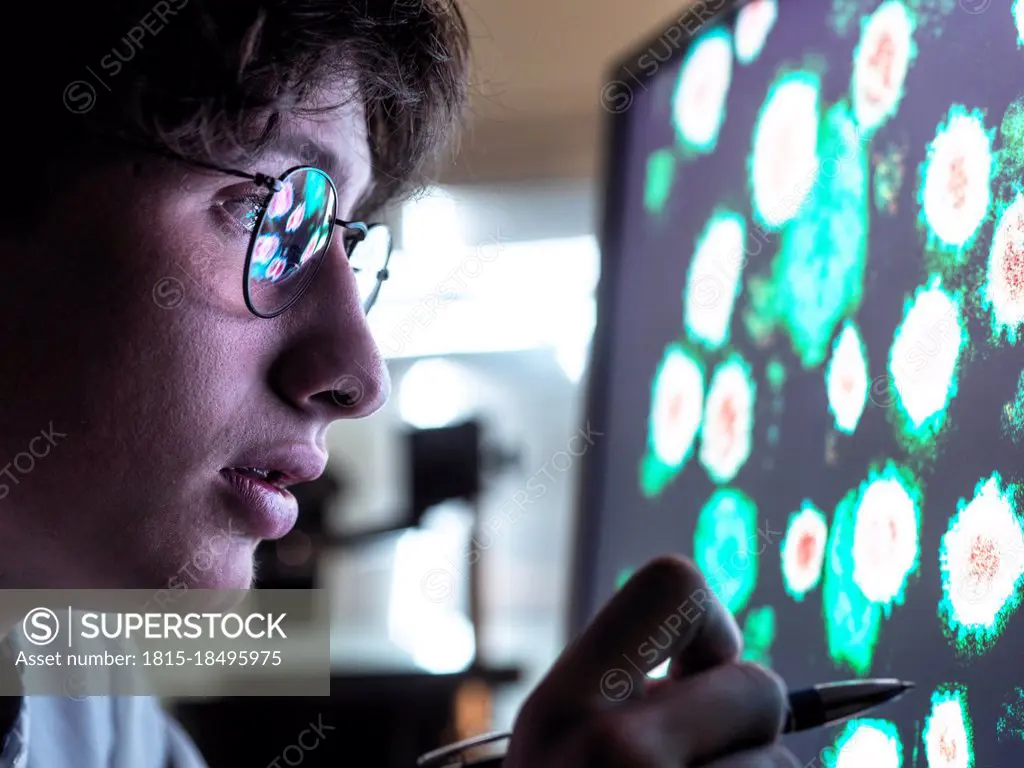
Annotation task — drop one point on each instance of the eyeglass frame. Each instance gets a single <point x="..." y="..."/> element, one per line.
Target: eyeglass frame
<point x="455" y="754"/>
<point x="274" y="184"/>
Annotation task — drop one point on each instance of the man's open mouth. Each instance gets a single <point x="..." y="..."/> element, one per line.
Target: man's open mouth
<point x="274" y="478"/>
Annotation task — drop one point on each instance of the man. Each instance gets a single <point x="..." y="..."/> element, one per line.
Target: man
<point x="180" y="333"/>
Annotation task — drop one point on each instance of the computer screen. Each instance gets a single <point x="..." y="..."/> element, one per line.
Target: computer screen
<point x="809" y="368"/>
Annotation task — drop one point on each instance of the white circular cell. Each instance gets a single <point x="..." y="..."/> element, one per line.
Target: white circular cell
<point x="983" y="557"/>
<point x="946" y="742"/>
<point x="880" y="64"/>
<point x="677" y="407"/>
<point x="869" y="746"/>
<point x="925" y="353"/>
<point x="785" y="159"/>
<point x="803" y="551"/>
<point x="885" y="540"/>
<point x="728" y="421"/>
<point x="1005" y="285"/>
<point x="956" y="185"/>
<point x="753" y="23"/>
<point x="847" y="380"/>
<point x="698" y="105"/>
<point x="714" y="280"/>
<point x="1018" y="20"/>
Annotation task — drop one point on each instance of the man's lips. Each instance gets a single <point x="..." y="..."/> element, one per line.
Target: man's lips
<point x="281" y="466"/>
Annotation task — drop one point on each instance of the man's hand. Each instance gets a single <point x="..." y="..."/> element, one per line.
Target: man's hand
<point x="597" y="708"/>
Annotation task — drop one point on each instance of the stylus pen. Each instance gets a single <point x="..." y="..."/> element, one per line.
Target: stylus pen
<point x="823" y="704"/>
<point x="829" y="703"/>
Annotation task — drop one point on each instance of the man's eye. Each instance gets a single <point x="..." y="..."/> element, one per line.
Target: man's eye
<point x="245" y="209"/>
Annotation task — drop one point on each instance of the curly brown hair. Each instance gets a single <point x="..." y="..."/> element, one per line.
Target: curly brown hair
<point x="212" y="79"/>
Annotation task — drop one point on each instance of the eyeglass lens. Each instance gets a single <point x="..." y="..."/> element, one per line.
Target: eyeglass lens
<point x="292" y="237"/>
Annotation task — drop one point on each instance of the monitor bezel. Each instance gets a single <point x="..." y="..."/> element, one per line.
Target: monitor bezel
<point x="630" y="70"/>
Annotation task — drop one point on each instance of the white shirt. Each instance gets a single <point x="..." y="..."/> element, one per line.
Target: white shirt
<point x="95" y="732"/>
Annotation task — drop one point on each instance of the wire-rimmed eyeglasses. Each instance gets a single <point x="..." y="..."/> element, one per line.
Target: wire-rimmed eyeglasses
<point x="292" y="223"/>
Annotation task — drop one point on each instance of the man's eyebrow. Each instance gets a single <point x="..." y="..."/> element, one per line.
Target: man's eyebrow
<point x="310" y="152"/>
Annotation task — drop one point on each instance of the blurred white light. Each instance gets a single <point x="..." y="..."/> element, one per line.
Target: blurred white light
<point x="492" y="297"/>
<point x="431" y="225"/>
<point x="424" y="615"/>
<point x="573" y="359"/>
<point x="434" y="393"/>
<point x="447" y="648"/>
<point x="572" y="339"/>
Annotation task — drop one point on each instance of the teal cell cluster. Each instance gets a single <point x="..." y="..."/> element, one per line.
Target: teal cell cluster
<point x="1013" y="414"/>
<point x="852" y="621"/>
<point x="661" y="170"/>
<point x="1010" y="725"/>
<point x="759" y="635"/>
<point x="726" y="546"/>
<point x="624" y="575"/>
<point x="819" y="271"/>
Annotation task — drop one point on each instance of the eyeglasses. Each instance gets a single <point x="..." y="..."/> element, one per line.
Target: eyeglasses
<point x="291" y="233"/>
<point x="292" y="226"/>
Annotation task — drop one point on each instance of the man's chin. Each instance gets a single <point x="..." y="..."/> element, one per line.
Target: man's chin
<point x="206" y="566"/>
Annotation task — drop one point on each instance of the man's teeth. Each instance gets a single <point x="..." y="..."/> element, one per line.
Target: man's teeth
<point x="261" y="473"/>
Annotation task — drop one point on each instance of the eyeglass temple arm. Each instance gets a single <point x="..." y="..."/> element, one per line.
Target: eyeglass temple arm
<point x="270" y="182"/>
<point x="453" y="752"/>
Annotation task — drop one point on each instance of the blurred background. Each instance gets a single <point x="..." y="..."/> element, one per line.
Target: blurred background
<point x="444" y="528"/>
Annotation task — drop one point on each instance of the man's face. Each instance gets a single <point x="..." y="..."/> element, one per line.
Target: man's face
<point x="129" y="345"/>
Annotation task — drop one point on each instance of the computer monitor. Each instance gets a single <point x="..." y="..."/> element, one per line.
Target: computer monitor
<point x="808" y="360"/>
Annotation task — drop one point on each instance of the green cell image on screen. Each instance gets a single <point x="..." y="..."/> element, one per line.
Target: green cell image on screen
<point x="783" y="165"/>
<point x="758" y="635"/>
<point x="852" y="621"/>
<point x="713" y="280"/>
<point x="753" y="24"/>
<point x="819" y="271"/>
<point x="981" y="558"/>
<point x="661" y="170"/>
<point x="846" y="379"/>
<point x="880" y="62"/>
<point x="924" y="362"/>
<point x="625" y="575"/>
<point x="775" y="373"/>
<point x="955" y="192"/>
<point x="1010" y="725"/>
<point x="948" y="733"/>
<point x="889" y="174"/>
<point x="803" y="550"/>
<point x="698" y="102"/>
<point x="1009" y="159"/>
<point x="726" y="546"/>
<point x="677" y="407"/>
<point x="1018" y="21"/>
<point x="1013" y="413"/>
<point x="726" y="434"/>
<point x="886" y="540"/>
<point x="1002" y="293"/>
<point x="866" y="743"/>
